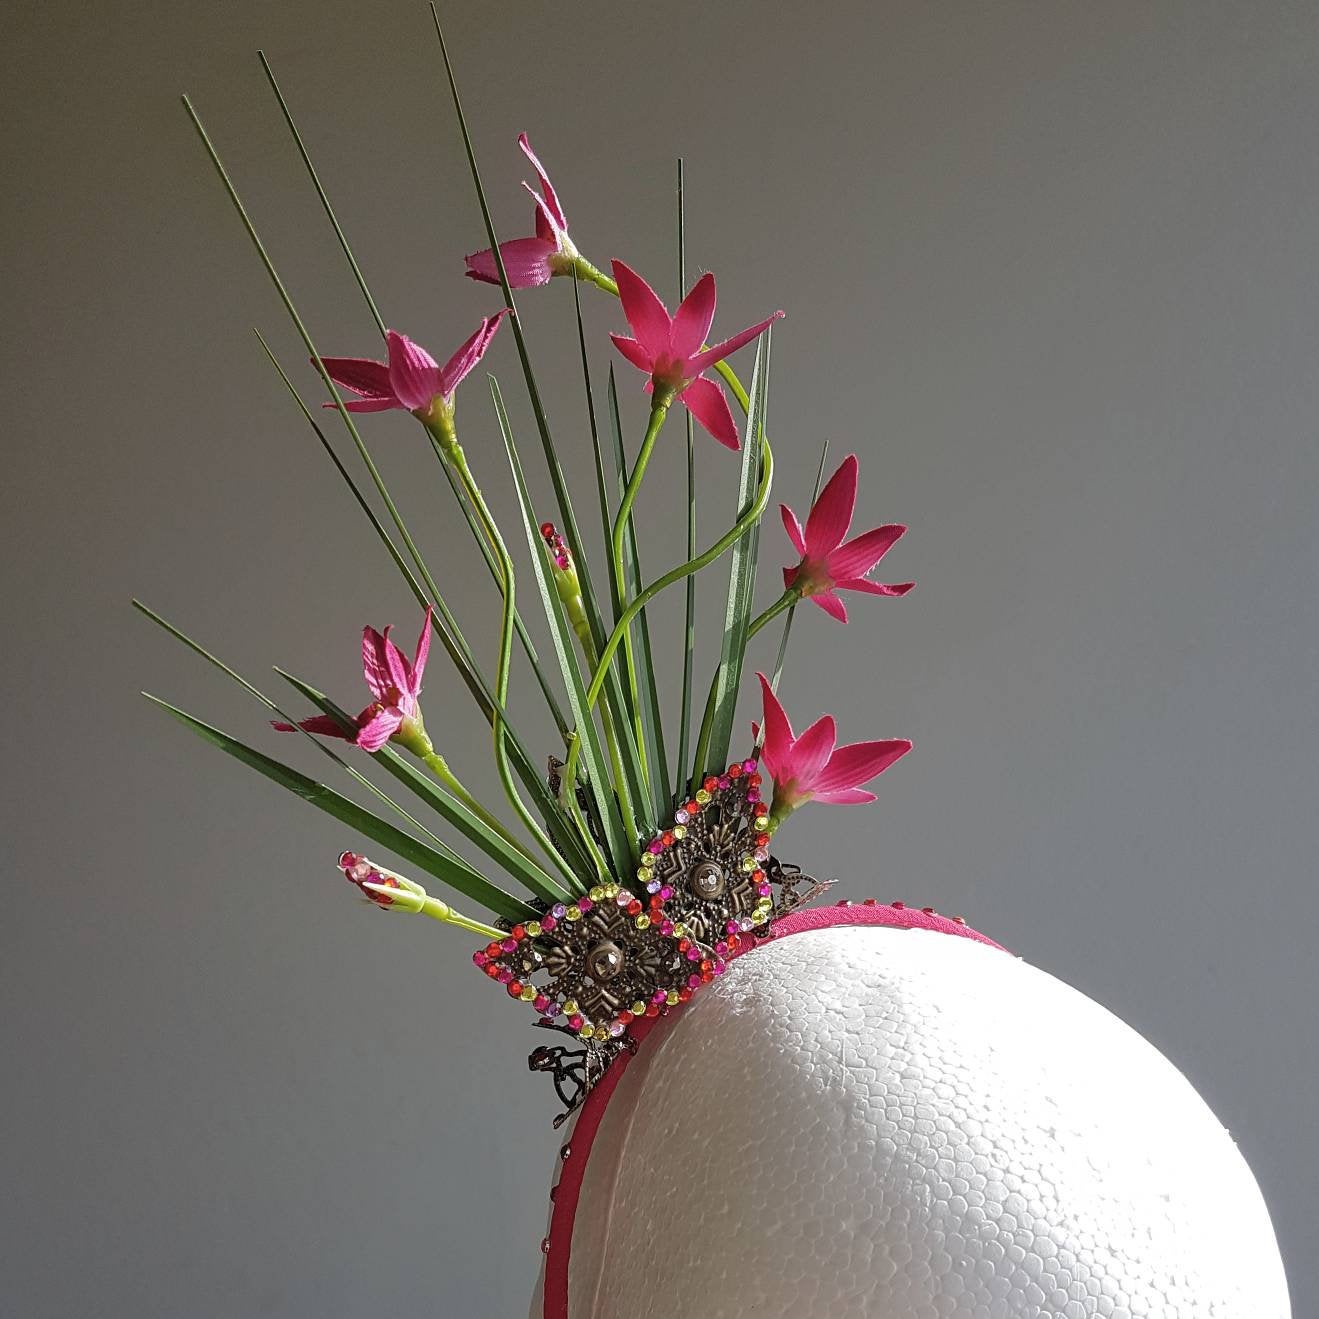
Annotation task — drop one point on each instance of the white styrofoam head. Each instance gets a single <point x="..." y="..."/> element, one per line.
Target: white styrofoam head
<point x="870" y="1123"/>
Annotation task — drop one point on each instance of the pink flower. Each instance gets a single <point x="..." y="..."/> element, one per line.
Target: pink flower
<point x="531" y="261"/>
<point x="827" y="564"/>
<point x="411" y="379"/>
<point x="811" y="768"/>
<point x="669" y="347"/>
<point x="395" y="682"/>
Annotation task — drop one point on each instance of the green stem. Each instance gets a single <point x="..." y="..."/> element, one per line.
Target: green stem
<point x="659" y="409"/>
<point x="582" y="269"/>
<point x="442" y="430"/>
<point x="438" y="766"/>
<point x="785" y="601"/>
<point x="721" y="546"/>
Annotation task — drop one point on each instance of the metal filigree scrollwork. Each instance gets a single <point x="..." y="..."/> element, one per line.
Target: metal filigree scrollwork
<point x="591" y="967"/>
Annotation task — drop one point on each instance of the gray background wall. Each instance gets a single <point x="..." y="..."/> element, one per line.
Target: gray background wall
<point x="1050" y="271"/>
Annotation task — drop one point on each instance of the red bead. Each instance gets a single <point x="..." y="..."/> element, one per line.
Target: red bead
<point x="762" y="840"/>
<point x="518" y="932"/>
<point x="633" y="908"/>
<point x="547" y="529"/>
<point x="491" y="969"/>
<point x="652" y="1010"/>
<point x="493" y="950"/>
<point x="656" y="902"/>
<point x="754" y="780"/>
<point x="514" y="988"/>
<point x="625" y="1018"/>
<point x="684" y="944"/>
<point x="667" y="838"/>
<point x="693" y="807"/>
<point x="711" y="783"/>
<point x="735" y="771"/>
<point x="684" y="996"/>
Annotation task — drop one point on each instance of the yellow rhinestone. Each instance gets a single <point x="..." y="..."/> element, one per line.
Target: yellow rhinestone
<point x="533" y="928"/>
<point x="586" y="1032"/>
<point x="569" y="1006"/>
<point x="748" y="865"/>
<point x="643" y="921"/>
<point x="648" y="858"/>
<point x="638" y="1009"/>
<point x="671" y="997"/>
<point x="528" y="993"/>
<point x="762" y="823"/>
<point x="679" y="930"/>
<point x="680" y="831"/>
<point x="597" y="894"/>
<point x="702" y="796"/>
<point x="574" y="913"/>
<point x="611" y="891"/>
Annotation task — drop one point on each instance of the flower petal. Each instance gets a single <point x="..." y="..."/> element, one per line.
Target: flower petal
<point x="831" y="604"/>
<point x="366" y="404"/>
<point x="633" y="351"/>
<point x="778" y="731"/>
<point x="706" y="402"/>
<point x="375" y="664"/>
<point x="851" y="766"/>
<point x="414" y="375"/>
<point x="325" y="725"/>
<point x="546" y="187"/>
<point x="699" y="363"/>
<point x="422" y="652"/>
<point x="844" y="797"/>
<point x="873" y="588"/>
<point x="455" y="370"/>
<point x="645" y="313"/>
<point x="360" y="375"/>
<point x="811" y="752"/>
<point x="379" y="728"/>
<point x="860" y="554"/>
<point x="400" y="668"/>
<point x="692" y="321"/>
<point x="793" y="528"/>
<point x="832" y="513"/>
<point x="526" y="263"/>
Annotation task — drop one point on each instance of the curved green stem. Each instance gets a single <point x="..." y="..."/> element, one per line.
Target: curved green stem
<point x="643" y="598"/>
<point x="444" y="433"/>
<point x="659" y="409"/>
<point x="785" y="601"/>
<point x="438" y="766"/>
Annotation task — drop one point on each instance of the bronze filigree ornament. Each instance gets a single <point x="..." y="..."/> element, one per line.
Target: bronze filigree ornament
<point x="702" y="888"/>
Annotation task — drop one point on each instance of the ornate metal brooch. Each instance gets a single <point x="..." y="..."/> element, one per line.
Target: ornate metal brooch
<point x="590" y="968"/>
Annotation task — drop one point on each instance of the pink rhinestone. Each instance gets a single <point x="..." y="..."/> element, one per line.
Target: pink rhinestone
<point x="666" y="892"/>
<point x="509" y="945"/>
<point x="725" y="781"/>
<point x="480" y="958"/>
<point x="719" y="968"/>
<point x="547" y="923"/>
<point x="659" y="996"/>
<point x="575" y="1022"/>
<point x="732" y="927"/>
<point x="504" y="976"/>
<point x="693" y="981"/>
<point x="541" y="1004"/>
<point x="584" y="904"/>
<point x="721" y="947"/>
<point x="765" y="891"/>
<point x="693" y="954"/>
<point x="624" y="897"/>
<point x="666" y="928"/>
<point x="749" y="766"/>
<point x="655" y="847"/>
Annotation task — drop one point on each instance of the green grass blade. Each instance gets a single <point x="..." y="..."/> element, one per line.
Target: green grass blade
<point x="566" y="516"/>
<point x="622" y="850"/>
<point x="651" y="719"/>
<point x="321" y="193"/>
<point x="457" y="874"/>
<point x="689" y="632"/>
<point x="521" y="867"/>
<point x="741" y="575"/>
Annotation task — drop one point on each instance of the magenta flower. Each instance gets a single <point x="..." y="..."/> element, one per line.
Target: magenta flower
<point x="531" y="261"/>
<point x="827" y="564"/>
<point x="411" y="379"/>
<point x="669" y="349"/>
<point x="811" y="768"/>
<point x="395" y="682"/>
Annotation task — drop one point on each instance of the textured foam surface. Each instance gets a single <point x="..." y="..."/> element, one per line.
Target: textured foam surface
<point x="901" y="1125"/>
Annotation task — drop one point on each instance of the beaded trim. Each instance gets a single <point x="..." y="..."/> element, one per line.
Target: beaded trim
<point x="704" y="888"/>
